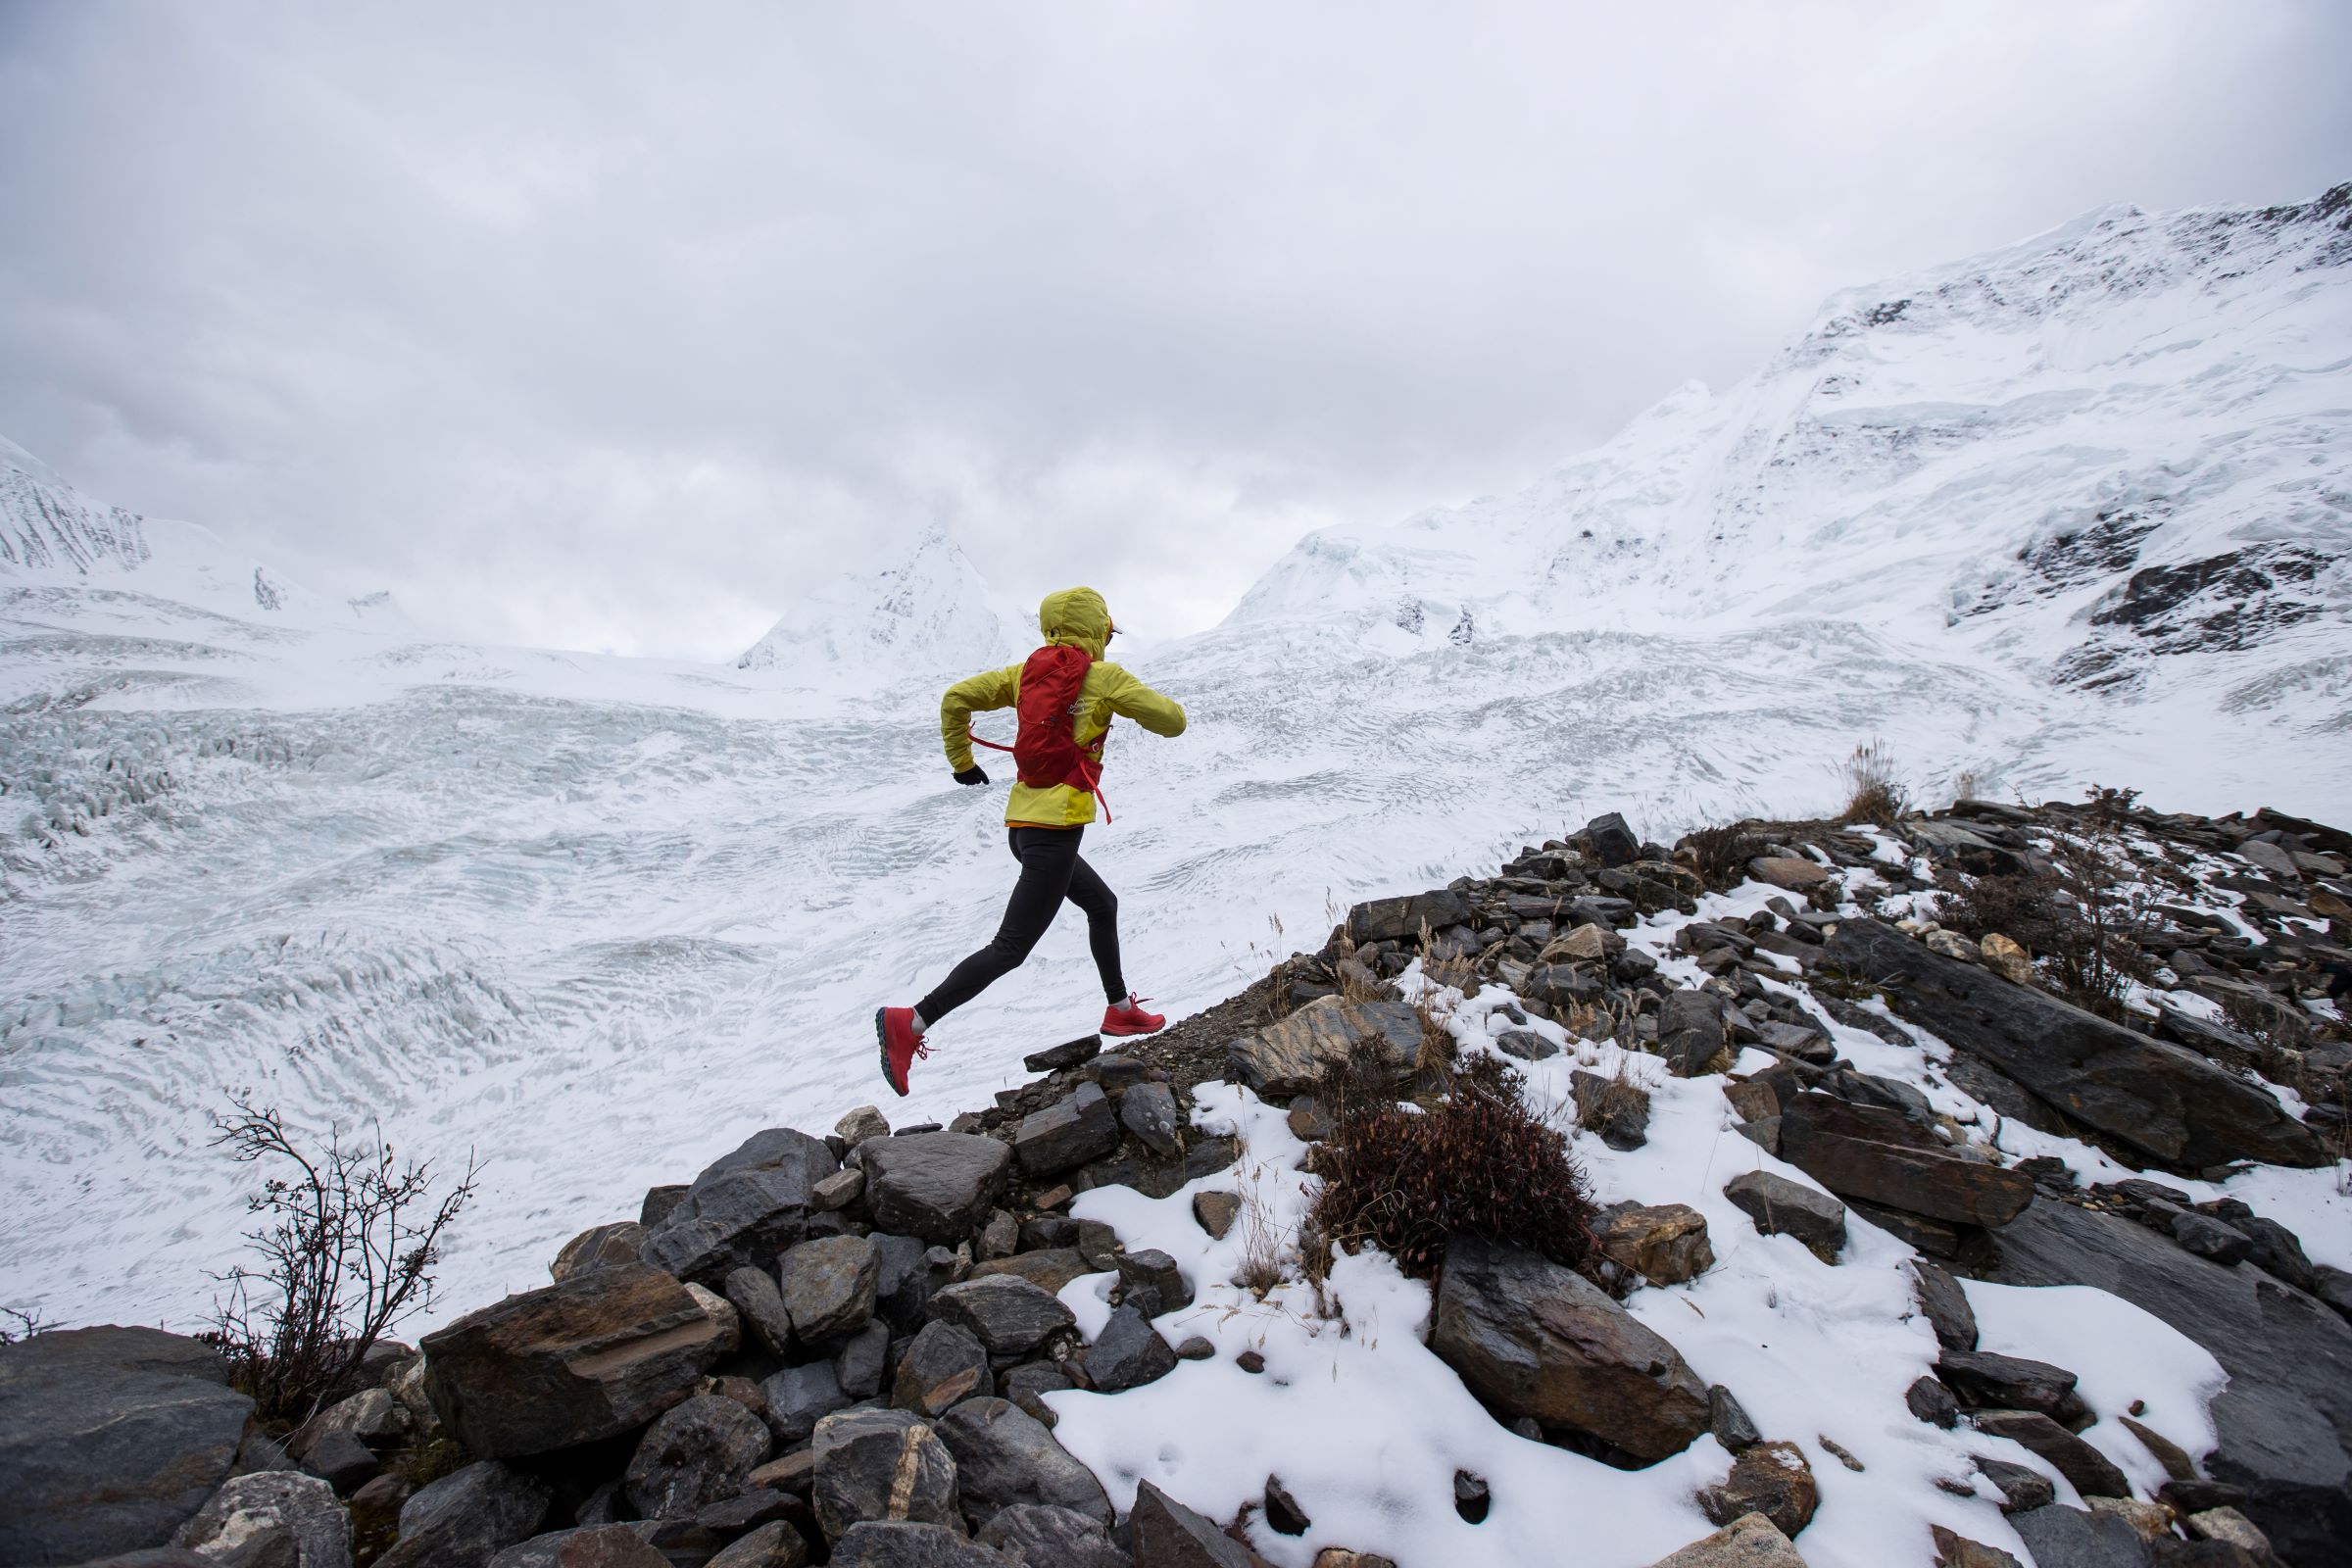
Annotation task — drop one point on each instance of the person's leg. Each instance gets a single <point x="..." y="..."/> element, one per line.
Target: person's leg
<point x="1093" y="895"/>
<point x="1048" y="857"/>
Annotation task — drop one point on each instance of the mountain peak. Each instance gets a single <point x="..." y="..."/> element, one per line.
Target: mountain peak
<point x="928" y="616"/>
<point x="47" y="526"/>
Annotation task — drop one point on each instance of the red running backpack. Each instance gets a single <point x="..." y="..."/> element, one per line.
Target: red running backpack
<point x="1046" y="750"/>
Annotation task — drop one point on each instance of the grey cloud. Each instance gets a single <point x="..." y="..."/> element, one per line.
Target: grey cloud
<point x="606" y="325"/>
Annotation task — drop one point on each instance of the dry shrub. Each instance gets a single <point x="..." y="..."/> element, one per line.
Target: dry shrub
<point x="1720" y="855"/>
<point x="1875" y="792"/>
<point x="1621" y="1100"/>
<point x="1480" y="1163"/>
<point x="2081" y="921"/>
<point x="1260" y="1268"/>
<point x="348" y="1241"/>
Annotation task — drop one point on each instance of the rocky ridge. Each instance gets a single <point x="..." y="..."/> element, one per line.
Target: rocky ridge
<point x="836" y="1346"/>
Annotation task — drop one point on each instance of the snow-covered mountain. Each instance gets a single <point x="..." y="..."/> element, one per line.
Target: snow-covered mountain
<point x="2117" y="455"/>
<point x="48" y="526"/>
<point x="536" y="903"/>
<point x="928" y="616"/>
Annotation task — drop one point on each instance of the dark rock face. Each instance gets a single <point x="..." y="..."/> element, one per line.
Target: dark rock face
<point x="274" y="1517"/>
<point x="886" y="1544"/>
<point x="1932" y="1402"/>
<point x="1783" y="1208"/>
<point x="1078" y="1128"/>
<point x="608" y="1545"/>
<point x="945" y="1365"/>
<point x="2069" y="1537"/>
<point x="110" y="1440"/>
<point x="468" y="1517"/>
<point x="881" y="1465"/>
<point x="1148" y="1112"/>
<point x="1533" y="1339"/>
<point x="759" y="1302"/>
<point x="1150" y="1269"/>
<point x="1819" y="1136"/>
<point x="1983" y="1380"/>
<point x="1004" y="1456"/>
<point x="829" y="1287"/>
<point x="1128" y="1353"/>
<point x="1168" y="1535"/>
<point x="697" y="1453"/>
<point x="935" y="1186"/>
<point x="774" y="1544"/>
<point x="798" y="1397"/>
<point x="1612" y="840"/>
<point x="1690" y="1032"/>
<point x="1289" y="1057"/>
<point x="1946" y="1306"/>
<point x="1401" y="919"/>
<point x="1069" y="1053"/>
<point x="744" y="1210"/>
<point x="1039" y="1534"/>
<point x="2168" y="1102"/>
<point x="2284" y="1420"/>
<point x="1002" y="1312"/>
<point x="2092" y="1472"/>
<point x="589" y="1359"/>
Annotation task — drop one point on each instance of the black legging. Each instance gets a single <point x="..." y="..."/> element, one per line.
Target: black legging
<point x="1051" y="871"/>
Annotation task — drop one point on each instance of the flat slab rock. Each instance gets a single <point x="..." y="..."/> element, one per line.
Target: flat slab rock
<point x="2284" y="1418"/>
<point x="1290" y="1056"/>
<point x="2166" y="1101"/>
<point x="592" y="1357"/>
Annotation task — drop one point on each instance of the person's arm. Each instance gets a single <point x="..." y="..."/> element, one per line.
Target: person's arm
<point x="1130" y="698"/>
<point x="982" y="693"/>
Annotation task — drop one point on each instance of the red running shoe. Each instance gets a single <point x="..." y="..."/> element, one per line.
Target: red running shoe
<point x="1129" y="1018"/>
<point x="893" y="1032"/>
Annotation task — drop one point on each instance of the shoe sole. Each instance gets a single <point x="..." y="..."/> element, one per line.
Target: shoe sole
<point x="882" y="1049"/>
<point x="1125" y="1034"/>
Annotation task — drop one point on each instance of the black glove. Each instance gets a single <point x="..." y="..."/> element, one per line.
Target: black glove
<point x="974" y="774"/>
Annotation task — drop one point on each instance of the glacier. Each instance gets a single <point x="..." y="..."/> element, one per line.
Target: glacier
<point x="2073" y="511"/>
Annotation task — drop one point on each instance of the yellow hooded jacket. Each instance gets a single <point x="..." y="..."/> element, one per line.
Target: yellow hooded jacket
<point x="1074" y="618"/>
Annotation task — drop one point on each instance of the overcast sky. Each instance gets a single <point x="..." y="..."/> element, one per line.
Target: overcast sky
<point x="616" y="327"/>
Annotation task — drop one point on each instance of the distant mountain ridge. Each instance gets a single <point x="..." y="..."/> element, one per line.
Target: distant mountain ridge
<point x="2122" y="442"/>
<point x="46" y="524"/>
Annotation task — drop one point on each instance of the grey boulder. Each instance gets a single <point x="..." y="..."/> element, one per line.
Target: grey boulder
<point x="882" y="1465"/>
<point x="744" y="1209"/>
<point x="884" y="1543"/>
<point x="1148" y="1112"/>
<point x="1046" y="1536"/>
<point x="944" y="1367"/>
<point x="1004" y="1456"/>
<point x="1004" y="1312"/>
<point x="1128" y="1353"/>
<point x="936" y="1186"/>
<point x="829" y="1287"/>
<point x="1783" y="1208"/>
<point x="1290" y="1056"/>
<point x="697" y="1453"/>
<point x="798" y="1397"/>
<point x="271" y="1519"/>
<point x="110" y="1440"/>
<point x="1533" y="1339"/>
<point x="468" y="1517"/>
<point x="1169" y="1535"/>
<point x="1079" y="1127"/>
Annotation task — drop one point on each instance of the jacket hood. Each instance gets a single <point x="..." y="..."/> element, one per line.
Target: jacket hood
<point x="1076" y="617"/>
